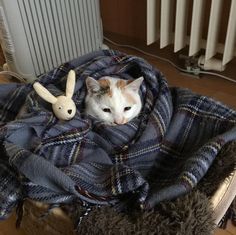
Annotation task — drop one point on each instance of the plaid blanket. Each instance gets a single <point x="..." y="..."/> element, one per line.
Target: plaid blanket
<point x="160" y="155"/>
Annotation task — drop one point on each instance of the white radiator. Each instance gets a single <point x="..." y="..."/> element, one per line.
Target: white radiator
<point x="38" y="35"/>
<point x="167" y="21"/>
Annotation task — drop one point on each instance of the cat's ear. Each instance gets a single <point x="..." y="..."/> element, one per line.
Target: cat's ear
<point x="135" y="84"/>
<point x="92" y="85"/>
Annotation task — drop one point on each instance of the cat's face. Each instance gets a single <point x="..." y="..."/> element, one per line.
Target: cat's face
<point x="113" y="100"/>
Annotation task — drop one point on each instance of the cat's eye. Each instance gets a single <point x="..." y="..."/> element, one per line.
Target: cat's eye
<point x="106" y="110"/>
<point x="127" y="108"/>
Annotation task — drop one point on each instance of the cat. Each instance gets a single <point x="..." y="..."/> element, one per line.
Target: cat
<point x="113" y="101"/>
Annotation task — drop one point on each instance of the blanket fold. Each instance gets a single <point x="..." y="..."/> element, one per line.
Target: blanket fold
<point x="160" y="155"/>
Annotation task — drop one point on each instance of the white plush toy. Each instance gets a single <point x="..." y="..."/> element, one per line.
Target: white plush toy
<point x="63" y="106"/>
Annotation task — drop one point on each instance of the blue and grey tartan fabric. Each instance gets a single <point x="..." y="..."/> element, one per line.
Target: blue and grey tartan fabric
<point x="160" y="155"/>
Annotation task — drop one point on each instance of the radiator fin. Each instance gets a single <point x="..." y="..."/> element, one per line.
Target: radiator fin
<point x="181" y="24"/>
<point x="37" y="30"/>
<point x="31" y="38"/>
<point x="153" y="10"/>
<point x="166" y="23"/>
<point x="213" y="29"/>
<point x="196" y="27"/>
<point x="83" y="23"/>
<point x="42" y="35"/>
<point x="79" y="36"/>
<point x="231" y="35"/>
<point x="50" y="32"/>
<point x="74" y="29"/>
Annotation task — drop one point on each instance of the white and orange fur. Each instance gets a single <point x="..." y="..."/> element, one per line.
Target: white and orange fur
<point x="112" y="100"/>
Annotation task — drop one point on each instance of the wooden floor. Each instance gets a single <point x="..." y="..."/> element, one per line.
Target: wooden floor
<point x="8" y="227"/>
<point x="217" y="88"/>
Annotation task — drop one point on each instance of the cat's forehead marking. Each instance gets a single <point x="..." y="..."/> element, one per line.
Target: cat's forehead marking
<point x="121" y="84"/>
<point x="104" y="83"/>
<point x="105" y="86"/>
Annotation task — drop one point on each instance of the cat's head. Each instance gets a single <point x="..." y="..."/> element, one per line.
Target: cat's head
<point x="113" y="100"/>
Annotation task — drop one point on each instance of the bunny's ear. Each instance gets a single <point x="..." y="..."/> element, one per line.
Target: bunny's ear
<point x="44" y="93"/>
<point x="70" y="84"/>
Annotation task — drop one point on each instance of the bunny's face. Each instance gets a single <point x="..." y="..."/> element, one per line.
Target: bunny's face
<point x="64" y="108"/>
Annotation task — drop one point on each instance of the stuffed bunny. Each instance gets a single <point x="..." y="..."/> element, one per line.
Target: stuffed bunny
<point x="63" y="106"/>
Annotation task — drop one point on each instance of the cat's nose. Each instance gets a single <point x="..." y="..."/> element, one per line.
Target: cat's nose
<point x="69" y="111"/>
<point x="120" y="121"/>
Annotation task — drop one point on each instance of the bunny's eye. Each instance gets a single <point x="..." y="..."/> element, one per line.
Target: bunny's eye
<point x="60" y="107"/>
